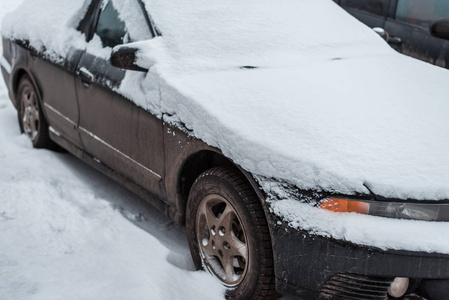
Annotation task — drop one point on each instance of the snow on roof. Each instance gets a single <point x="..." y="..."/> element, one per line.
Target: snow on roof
<point x="49" y="23"/>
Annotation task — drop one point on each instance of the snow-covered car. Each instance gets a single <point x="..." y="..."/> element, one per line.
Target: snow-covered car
<point x="303" y="154"/>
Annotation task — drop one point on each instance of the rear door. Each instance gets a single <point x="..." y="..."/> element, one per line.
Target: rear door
<point x="113" y="129"/>
<point x="410" y="22"/>
<point x="55" y="77"/>
<point x="57" y="83"/>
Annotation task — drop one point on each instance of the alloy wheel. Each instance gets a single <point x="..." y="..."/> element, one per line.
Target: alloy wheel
<point x="30" y="113"/>
<point x="222" y="240"/>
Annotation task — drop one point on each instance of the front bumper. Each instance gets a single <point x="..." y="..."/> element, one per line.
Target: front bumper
<point x="314" y="267"/>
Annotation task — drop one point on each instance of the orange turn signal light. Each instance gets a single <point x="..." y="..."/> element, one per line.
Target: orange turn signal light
<point x="344" y="205"/>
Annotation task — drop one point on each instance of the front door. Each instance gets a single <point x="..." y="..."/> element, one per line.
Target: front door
<point x="113" y="129"/>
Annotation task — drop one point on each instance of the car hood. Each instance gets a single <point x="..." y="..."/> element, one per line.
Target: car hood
<point x="333" y="125"/>
<point x="329" y="105"/>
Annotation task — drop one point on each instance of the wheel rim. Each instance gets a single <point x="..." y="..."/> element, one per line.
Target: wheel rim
<point x="30" y="113"/>
<point x="222" y="240"/>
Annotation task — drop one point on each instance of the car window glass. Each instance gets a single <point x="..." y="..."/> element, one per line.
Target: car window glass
<point x="110" y="29"/>
<point x="371" y="6"/>
<point x="422" y="12"/>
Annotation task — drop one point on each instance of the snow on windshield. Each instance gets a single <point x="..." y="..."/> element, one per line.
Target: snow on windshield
<point x="218" y="34"/>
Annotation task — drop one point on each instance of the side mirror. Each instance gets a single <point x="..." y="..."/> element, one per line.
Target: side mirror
<point x="440" y="29"/>
<point x="125" y="57"/>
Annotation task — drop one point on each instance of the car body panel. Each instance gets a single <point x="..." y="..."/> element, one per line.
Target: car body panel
<point x="115" y="130"/>
<point x="338" y="259"/>
<point x="58" y="96"/>
<point x="6" y="66"/>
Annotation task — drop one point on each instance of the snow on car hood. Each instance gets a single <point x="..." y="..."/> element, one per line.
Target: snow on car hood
<point x="333" y="125"/>
<point x="330" y="106"/>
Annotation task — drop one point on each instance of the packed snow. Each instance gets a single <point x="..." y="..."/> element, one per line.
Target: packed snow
<point x="59" y="30"/>
<point x="225" y="35"/>
<point x="328" y="107"/>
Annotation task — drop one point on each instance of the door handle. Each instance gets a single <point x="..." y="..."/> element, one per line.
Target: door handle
<point x="86" y="76"/>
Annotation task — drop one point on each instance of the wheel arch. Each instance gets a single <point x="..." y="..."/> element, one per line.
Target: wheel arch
<point x="200" y="162"/>
<point x="17" y="77"/>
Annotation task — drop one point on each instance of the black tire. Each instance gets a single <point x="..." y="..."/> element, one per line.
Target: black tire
<point x="245" y="242"/>
<point x="31" y="118"/>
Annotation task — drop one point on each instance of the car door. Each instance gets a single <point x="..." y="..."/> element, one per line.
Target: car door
<point x="371" y="12"/>
<point x="410" y="23"/>
<point x="113" y="129"/>
<point x="55" y="77"/>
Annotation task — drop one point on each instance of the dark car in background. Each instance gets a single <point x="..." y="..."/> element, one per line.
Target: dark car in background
<point x="407" y="23"/>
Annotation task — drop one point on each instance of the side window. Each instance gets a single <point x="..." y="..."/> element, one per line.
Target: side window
<point x="110" y="29"/>
<point x="420" y="12"/>
<point x="375" y="7"/>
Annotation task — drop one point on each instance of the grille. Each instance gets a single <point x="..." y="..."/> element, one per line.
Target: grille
<point x="357" y="287"/>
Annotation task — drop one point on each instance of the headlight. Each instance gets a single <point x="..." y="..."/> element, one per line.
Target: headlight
<point x="398" y="210"/>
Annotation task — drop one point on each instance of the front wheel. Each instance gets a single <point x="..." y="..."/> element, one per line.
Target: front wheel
<point x="228" y="234"/>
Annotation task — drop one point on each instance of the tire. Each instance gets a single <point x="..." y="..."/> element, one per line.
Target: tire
<point x="228" y="234"/>
<point x="31" y="118"/>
